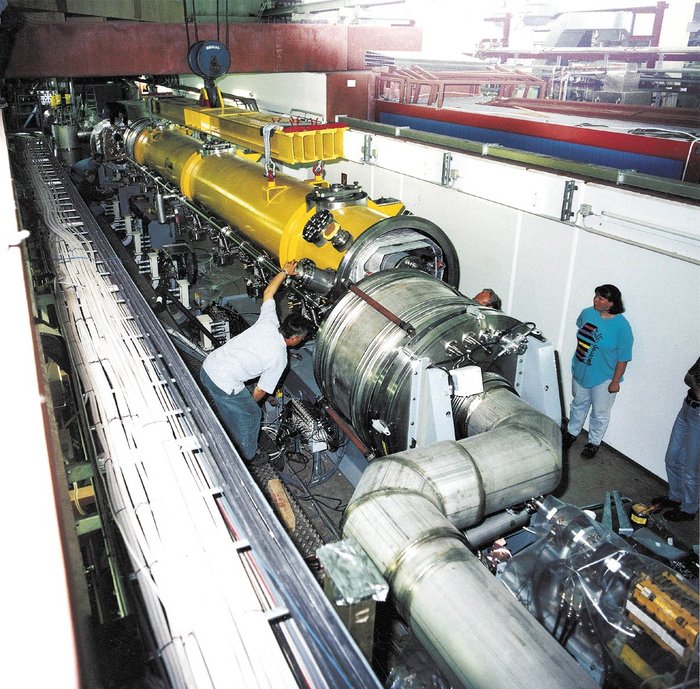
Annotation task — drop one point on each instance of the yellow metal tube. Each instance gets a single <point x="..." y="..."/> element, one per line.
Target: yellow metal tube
<point x="270" y="214"/>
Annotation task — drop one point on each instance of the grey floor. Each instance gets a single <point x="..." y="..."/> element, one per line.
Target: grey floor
<point x="585" y="483"/>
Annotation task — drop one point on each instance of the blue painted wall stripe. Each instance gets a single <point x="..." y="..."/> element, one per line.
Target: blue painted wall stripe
<point x="619" y="160"/>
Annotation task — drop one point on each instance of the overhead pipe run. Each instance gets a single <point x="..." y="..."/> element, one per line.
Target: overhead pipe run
<point x="407" y="512"/>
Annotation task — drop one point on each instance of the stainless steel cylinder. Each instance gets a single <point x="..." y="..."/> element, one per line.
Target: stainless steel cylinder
<point x="364" y="362"/>
<point x="66" y="142"/>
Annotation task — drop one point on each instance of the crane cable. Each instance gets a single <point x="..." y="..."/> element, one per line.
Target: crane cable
<point x="187" y="22"/>
<point x="196" y="23"/>
<point x="226" y="17"/>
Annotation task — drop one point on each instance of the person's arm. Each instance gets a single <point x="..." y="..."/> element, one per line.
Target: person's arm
<point x="692" y="379"/>
<point x="259" y="394"/>
<point x="289" y="268"/>
<point x="620" y="367"/>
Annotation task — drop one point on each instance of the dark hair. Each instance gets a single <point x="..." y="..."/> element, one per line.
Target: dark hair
<point x="611" y="293"/>
<point x="494" y="300"/>
<point x="97" y="155"/>
<point x="294" y="324"/>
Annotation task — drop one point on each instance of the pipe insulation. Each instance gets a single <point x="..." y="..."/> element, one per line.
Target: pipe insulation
<point x="406" y="513"/>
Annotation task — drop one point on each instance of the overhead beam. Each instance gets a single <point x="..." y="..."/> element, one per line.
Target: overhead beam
<point x="133" y="48"/>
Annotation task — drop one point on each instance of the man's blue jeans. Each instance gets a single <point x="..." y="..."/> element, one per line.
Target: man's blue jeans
<point x="682" y="458"/>
<point x="240" y="415"/>
<point x="599" y="401"/>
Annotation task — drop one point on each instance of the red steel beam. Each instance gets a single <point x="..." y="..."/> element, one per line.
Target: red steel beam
<point x="103" y="49"/>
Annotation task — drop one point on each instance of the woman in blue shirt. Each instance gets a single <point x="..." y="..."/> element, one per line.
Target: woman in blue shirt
<point x="603" y="348"/>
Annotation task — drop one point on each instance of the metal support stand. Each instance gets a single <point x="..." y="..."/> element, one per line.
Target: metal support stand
<point x="430" y="410"/>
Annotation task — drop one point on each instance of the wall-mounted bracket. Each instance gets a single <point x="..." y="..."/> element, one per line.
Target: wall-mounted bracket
<point x="446" y="170"/>
<point x="367" y="149"/>
<point x="568" y="200"/>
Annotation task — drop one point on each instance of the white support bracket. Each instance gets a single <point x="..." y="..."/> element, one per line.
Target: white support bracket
<point x="430" y="408"/>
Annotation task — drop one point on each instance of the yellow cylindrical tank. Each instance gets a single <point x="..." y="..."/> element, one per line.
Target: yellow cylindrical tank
<point x="336" y="232"/>
<point x="270" y="214"/>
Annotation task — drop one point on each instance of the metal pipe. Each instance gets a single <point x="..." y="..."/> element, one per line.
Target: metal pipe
<point x="347" y="429"/>
<point x="160" y="207"/>
<point x="244" y="245"/>
<point x="406" y="514"/>
<point x="495" y="526"/>
<point x="272" y="215"/>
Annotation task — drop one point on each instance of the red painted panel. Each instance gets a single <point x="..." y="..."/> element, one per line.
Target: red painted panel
<point x="288" y="48"/>
<point x="362" y="38"/>
<point x="616" y="141"/>
<point x="352" y="101"/>
<point x="130" y="48"/>
<point x="98" y="49"/>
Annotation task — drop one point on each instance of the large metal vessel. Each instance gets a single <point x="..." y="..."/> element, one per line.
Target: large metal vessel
<point x="335" y="228"/>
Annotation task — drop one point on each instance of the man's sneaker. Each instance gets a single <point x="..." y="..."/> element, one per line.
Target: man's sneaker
<point x="567" y="440"/>
<point x="589" y="450"/>
<point x="679" y="516"/>
<point x="663" y="501"/>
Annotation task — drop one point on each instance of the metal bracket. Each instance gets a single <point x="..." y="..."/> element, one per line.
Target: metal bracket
<point x="446" y="170"/>
<point x="430" y="409"/>
<point x="624" y="527"/>
<point x="568" y="200"/>
<point x="367" y="149"/>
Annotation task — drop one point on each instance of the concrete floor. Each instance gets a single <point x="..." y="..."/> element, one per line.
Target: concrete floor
<point x="586" y="481"/>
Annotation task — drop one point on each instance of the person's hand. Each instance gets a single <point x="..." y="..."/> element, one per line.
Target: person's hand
<point x="614" y="386"/>
<point x="290" y="267"/>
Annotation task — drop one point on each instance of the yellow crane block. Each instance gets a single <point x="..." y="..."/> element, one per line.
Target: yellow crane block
<point x="291" y="143"/>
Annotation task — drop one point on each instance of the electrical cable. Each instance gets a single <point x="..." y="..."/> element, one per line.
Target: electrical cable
<point x="187" y="25"/>
<point x="196" y="22"/>
<point x="76" y="499"/>
<point x="227" y="26"/>
<point x="158" y="491"/>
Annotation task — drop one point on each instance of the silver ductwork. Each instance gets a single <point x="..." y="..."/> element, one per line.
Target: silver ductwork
<point x="406" y="514"/>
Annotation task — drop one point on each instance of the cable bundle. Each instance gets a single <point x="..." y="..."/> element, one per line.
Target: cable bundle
<point x="211" y="628"/>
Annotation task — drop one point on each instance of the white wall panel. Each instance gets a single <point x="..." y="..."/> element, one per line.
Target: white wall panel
<point x="541" y="271"/>
<point x="504" y="222"/>
<point x="479" y="229"/>
<point x="275" y="92"/>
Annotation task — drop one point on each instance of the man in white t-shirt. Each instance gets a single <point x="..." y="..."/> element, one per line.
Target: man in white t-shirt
<point x="258" y="352"/>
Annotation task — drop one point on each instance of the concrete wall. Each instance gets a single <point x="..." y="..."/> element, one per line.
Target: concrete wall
<point x="504" y="221"/>
<point x="277" y="93"/>
<point x="347" y="93"/>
